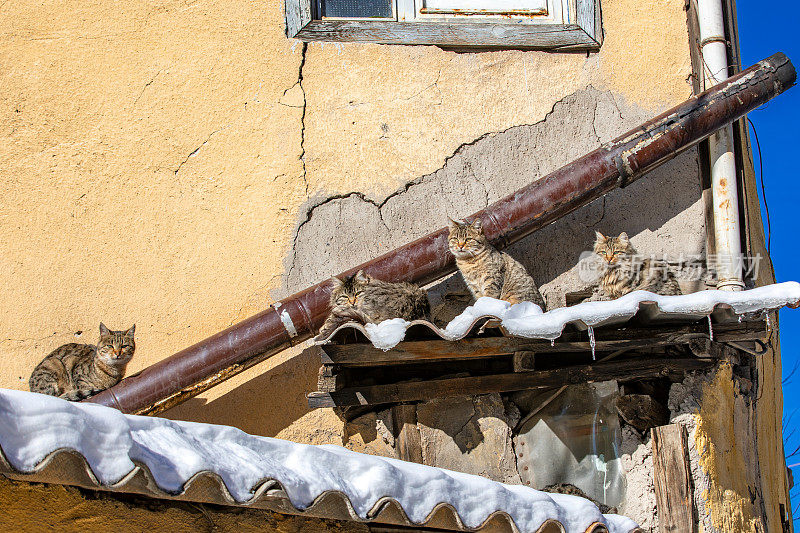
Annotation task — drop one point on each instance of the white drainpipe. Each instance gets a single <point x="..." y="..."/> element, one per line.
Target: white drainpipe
<point x="723" y="165"/>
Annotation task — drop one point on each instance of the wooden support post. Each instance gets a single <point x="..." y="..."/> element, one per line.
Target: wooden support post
<point x="408" y="439"/>
<point x="673" y="480"/>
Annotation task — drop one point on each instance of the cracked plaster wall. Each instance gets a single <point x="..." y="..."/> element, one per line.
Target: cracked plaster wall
<point x="157" y="159"/>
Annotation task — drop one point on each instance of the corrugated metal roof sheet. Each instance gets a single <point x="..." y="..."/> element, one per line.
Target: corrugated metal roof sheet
<point x="67" y="466"/>
<point x="526" y="319"/>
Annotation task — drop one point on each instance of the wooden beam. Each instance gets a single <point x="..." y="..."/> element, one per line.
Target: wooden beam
<point x="425" y="390"/>
<point x="673" y="480"/>
<point x="605" y="340"/>
<point x="409" y="440"/>
<point x="453" y="33"/>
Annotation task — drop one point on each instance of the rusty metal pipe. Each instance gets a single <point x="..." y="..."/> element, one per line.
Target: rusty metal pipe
<point x="615" y="164"/>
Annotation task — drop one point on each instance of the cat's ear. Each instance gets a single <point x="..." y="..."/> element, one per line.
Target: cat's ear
<point x="599" y="237"/>
<point x="477" y="224"/>
<point x="623" y="238"/>
<point x="131" y="331"/>
<point x="336" y="281"/>
<point x="104" y="330"/>
<point x="362" y="276"/>
<point x="453" y="223"/>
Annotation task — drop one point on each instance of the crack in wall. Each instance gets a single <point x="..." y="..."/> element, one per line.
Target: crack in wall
<point x="146" y="85"/>
<point x="193" y="152"/>
<point x="303" y="52"/>
<point x="339" y="231"/>
<point x="404" y="188"/>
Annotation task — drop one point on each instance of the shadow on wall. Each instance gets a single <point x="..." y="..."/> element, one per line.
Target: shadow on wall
<point x="262" y="406"/>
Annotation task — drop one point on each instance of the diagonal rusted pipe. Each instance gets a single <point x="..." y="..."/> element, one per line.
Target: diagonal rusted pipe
<point x="296" y="318"/>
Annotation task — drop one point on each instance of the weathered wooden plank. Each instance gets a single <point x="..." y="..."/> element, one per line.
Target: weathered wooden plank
<point x="585" y="10"/>
<point x="451" y="33"/>
<point x="478" y="347"/>
<point x="426" y="390"/>
<point x="673" y="481"/>
<point x="408" y="438"/>
<point x="298" y="14"/>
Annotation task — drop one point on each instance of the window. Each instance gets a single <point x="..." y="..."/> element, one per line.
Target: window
<point x="533" y="24"/>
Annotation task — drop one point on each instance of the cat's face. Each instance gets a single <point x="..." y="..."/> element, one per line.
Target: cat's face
<point x="116" y="347"/>
<point x="350" y="291"/>
<point x="613" y="250"/>
<point x="466" y="238"/>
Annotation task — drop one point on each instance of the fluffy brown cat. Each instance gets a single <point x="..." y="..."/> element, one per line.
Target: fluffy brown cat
<point x="76" y="371"/>
<point x="364" y="299"/>
<point x="488" y="271"/>
<point x="624" y="273"/>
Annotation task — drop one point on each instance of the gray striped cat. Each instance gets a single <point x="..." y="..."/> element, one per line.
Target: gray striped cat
<point x="623" y="272"/>
<point x="76" y="371"/>
<point x="364" y="299"/>
<point x="488" y="271"/>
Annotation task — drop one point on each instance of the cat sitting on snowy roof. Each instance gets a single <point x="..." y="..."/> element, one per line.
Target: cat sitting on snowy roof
<point x="364" y="299"/>
<point x="622" y="271"/>
<point x="488" y="271"/>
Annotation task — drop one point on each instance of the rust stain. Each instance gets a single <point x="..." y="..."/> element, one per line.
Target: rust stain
<point x="189" y="392"/>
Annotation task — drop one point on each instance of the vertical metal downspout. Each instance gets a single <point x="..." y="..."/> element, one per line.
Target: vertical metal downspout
<point x="727" y="235"/>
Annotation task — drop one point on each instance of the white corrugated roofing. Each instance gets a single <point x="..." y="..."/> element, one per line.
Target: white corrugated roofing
<point x="43" y="438"/>
<point x="527" y="320"/>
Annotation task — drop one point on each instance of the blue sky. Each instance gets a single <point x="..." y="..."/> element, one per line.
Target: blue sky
<point x="761" y="34"/>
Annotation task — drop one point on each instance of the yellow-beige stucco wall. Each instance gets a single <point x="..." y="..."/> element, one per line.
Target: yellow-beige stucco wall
<point x="156" y="158"/>
<point x="32" y="508"/>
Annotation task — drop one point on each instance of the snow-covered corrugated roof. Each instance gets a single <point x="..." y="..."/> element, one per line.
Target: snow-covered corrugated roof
<point x="527" y="320"/>
<point x="43" y="438"/>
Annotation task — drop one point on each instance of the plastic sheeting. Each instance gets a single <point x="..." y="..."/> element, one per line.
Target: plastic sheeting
<point x="575" y="438"/>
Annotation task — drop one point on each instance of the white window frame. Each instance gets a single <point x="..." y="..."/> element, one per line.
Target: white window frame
<point x="568" y="25"/>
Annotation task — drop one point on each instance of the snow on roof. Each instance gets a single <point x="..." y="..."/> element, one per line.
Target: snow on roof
<point x="526" y="319"/>
<point x="166" y="458"/>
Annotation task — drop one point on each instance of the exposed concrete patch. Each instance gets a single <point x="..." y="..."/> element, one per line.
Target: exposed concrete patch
<point x="372" y="433"/>
<point x="469" y="434"/>
<point x="340" y="231"/>
<point x="637" y="462"/>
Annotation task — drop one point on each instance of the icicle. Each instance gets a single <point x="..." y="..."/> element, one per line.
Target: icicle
<point x="591" y="341"/>
<point x="740" y="318"/>
<point x="552" y="342"/>
<point x="769" y="327"/>
<point x="710" y="329"/>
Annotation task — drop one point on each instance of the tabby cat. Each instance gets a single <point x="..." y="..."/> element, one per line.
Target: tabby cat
<point x="624" y="273"/>
<point x="488" y="271"/>
<point x="572" y="490"/>
<point x="76" y="371"/>
<point x="364" y="299"/>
